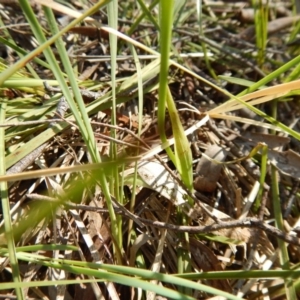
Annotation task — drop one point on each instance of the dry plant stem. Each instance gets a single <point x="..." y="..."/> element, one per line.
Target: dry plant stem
<point x="25" y="162"/>
<point x="247" y="222"/>
<point x="29" y="123"/>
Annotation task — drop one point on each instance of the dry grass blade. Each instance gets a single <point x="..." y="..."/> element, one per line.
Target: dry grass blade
<point x="185" y="203"/>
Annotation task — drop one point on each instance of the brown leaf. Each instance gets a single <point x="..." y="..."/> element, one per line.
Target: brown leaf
<point x="89" y="31"/>
<point x="208" y="172"/>
<point x="273" y="141"/>
<point x="287" y="162"/>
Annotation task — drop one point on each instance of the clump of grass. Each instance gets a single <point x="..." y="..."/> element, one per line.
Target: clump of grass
<point x="111" y="136"/>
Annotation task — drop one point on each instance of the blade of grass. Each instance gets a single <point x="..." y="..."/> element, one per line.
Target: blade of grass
<point x="147" y="13"/>
<point x="82" y="121"/>
<point x="183" y="154"/>
<point x="78" y="168"/>
<point x="269" y="274"/>
<point x="184" y="166"/>
<point x="261" y="10"/>
<point x="140" y="122"/>
<point x="166" y="14"/>
<point x="178" y="9"/>
<point x="110" y="273"/>
<point x="112" y="13"/>
<point x="203" y="45"/>
<point x="262" y="178"/>
<point x="284" y="256"/>
<point x="13" y="44"/>
<point x="283" y="253"/>
<point x="23" y="52"/>
<point x="6" y="210"/>
<point x="272" y="76"/>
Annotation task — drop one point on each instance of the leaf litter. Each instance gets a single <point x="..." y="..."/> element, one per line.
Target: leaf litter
<point x="223" y="191"/>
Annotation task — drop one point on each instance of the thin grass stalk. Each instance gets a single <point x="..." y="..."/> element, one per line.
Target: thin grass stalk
<point x="24" y="53"/>
<point x="112" y="273"/>
<point x="293" y="273"/>
<point x="242" y="274"/>
<point x="81" y="116"/>
<point x="272" y="76"/>
<point x="283" y="254"/>
<point x="274" y="122"/>
<point x="183" y="251"/>
<point x="203" y="45"/>
<point x="178" y="10"/>
<point x="182" y="155"/>
<point x="140" y="122"/>
<point x="261" y="23"/>
<point x="294" y="74"/>
<point x="290" y="290"/>
<point x="166" y="16"/>
<point x="112" y="10"/>
<point x="184" y="165"/>
<point x="262" y="178"/>
<point x="293" y="36"/>
<point x="45" y="283"/>
<point x="296" y="71"/>
<point x="6" y="209"/>
<point x="145" y="12"/>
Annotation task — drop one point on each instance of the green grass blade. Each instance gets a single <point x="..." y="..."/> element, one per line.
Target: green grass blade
<point x="146" y="13"/>
<point x="112" y="10"/>
<point x="275" y="74"/>
<point x="131" y="234"/>
<point x="6" y="210"/>
<point x="284" y="256"/>
<point x="13" y="45"/>
<point x="142" y="16"/>
<point x="111" y="273"/>
<point x="166" y="14"/>
<point x="262" y="179"/>
<point x="261" y="23"/>
<point x="183" y="154"/>
<point x="184" y="163"/>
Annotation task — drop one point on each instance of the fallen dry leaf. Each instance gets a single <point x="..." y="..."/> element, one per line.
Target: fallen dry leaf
<point x="207" y="171"/>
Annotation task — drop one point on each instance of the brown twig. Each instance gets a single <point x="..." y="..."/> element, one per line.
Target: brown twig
<point x="247" y="222"/>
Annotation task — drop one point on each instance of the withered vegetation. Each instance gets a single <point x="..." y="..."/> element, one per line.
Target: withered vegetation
<point x="231" y="225"/>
